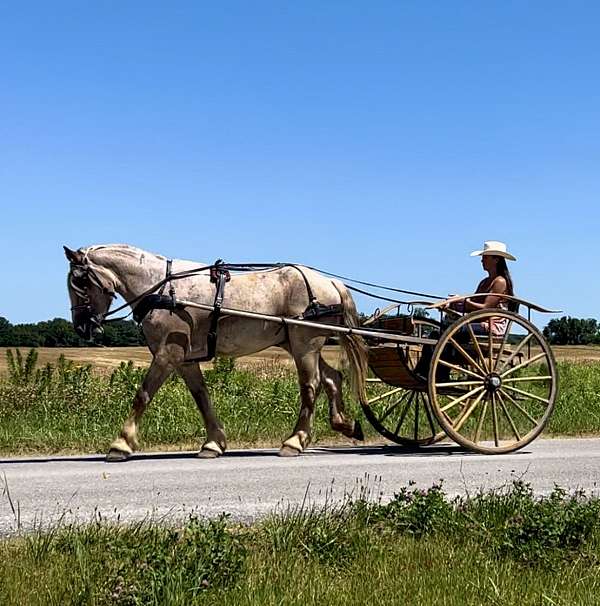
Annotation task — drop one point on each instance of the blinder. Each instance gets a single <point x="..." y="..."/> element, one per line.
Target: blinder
<point x="89" y="322"/>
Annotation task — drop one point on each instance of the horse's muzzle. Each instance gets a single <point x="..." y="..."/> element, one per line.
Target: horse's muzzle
<point x="86" y="324"/>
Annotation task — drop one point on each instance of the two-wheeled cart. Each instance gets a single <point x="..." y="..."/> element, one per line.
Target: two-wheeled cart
<point x="490" y="393"/>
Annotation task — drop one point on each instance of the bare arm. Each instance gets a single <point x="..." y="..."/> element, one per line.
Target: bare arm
<point x="498" y="286"/>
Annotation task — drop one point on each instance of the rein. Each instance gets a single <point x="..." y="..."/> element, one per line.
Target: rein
<point x="150" y="299"/>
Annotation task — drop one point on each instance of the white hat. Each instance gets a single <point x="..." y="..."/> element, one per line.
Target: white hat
<point x="491" y="247"/>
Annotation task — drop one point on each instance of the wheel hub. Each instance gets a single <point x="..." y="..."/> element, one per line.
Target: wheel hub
<point x="493" y="382"/>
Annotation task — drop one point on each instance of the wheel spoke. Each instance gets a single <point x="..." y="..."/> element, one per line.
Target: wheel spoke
<point x="462" y="398"/>
<point x="516" y="351"/>
<point x="393" y="407"/>
<point x="458" y="383"/>
<point x="466" y="356"/>
<point x="503" y="345"/>
<point x="527" y="394"/>
<point x="515" y="379"/>
<point x="495" y="420"/>
<point x="467" y="412"/>
<point x="416" y="428"/>
<point x="404" y="413"/>
<point x="428" y="413"/>
<point x="461" y="369"/>
<point x="387" y="394"/>
<point x="477" y="346"/>
<point x="523" y="364"/>
<point x="480" y="422"/>
<point x="490" y="350"/>
<point x="519" y="407"/>
<point x="509" y="418"/>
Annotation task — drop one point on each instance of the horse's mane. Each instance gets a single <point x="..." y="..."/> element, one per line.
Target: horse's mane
<point x="121" y="249"/>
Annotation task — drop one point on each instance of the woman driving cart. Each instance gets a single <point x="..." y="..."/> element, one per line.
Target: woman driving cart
<point x="497" y="283"/>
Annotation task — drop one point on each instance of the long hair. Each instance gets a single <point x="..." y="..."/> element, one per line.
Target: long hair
<point x="502" y="268"/>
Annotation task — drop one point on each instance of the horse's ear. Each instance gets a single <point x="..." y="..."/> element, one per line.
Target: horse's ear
<point x="74" y="256"/>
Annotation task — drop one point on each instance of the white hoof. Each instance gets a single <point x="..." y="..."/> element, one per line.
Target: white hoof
<point x="210" y="450"/>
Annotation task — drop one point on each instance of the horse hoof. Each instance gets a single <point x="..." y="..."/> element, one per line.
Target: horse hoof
<point x="207" y="454"/>
<point x="288" y="451"/>
<point x="358" y="434"/>
<point x="116" y="456"/>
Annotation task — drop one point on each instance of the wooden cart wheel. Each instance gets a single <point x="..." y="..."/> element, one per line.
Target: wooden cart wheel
<point x="492" y="394"/>
<point x="401" y="413"/>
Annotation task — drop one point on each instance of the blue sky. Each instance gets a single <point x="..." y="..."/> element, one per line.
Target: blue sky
<point x="381" y="140"/>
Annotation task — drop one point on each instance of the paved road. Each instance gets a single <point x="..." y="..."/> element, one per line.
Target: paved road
<point x="250" y="483"/>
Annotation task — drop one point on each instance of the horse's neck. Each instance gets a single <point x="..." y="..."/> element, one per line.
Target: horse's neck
<point x="134" y="270"/>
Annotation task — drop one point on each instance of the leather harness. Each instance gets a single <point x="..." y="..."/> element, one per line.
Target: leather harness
<point x="220" y="275"/>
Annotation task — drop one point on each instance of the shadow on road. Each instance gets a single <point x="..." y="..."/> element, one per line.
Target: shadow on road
<point x="388" y="450"/>
<point x="402" y="451"/>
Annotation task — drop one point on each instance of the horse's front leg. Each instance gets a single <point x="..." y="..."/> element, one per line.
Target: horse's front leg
<point x="126" y="443"/>
<point x="216" y="442"/>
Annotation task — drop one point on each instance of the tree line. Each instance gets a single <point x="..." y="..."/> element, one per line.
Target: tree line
<point x="60" y="333"/>
<point x="572" y="331"/>
<point x="126" y="333"/>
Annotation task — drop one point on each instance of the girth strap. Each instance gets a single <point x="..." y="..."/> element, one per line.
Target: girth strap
<point x="219" y="276"/>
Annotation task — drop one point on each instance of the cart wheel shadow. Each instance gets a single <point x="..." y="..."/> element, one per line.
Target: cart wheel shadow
<point x="393" y="450"/>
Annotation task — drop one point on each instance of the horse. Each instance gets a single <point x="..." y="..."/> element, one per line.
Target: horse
<point x="179" y="337"/>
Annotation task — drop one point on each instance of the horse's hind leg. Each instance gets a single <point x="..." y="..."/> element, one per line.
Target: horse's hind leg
<point x="127" y="442"/>
<point x="216" y="442"/>
<point x="306" y="357"/>
<point x="331" y="379"/>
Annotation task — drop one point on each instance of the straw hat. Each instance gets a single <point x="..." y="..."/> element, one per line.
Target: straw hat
<point x="491" y="247"/>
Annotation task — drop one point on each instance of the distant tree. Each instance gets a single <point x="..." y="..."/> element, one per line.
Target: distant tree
<point x="572" y="331"/>
<point x="5" y="329"/>
<point x="60" y="333"/>
<point x="25" y="335"/>
<point x="122" y="334"/>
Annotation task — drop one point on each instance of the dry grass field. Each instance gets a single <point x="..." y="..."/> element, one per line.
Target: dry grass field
<point x="107" y="358"/>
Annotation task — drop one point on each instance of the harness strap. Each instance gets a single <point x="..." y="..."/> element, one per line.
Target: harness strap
<point x="218" y="276"/>
<point x="311" y="297"/>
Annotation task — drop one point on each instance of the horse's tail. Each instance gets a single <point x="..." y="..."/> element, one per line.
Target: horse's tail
<point x="354" y="346"/>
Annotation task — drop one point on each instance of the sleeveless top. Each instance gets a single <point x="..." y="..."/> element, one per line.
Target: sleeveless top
<point x="498" y="325"/>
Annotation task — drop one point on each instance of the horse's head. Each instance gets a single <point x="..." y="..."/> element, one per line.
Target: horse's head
<point x="91" y="291"/>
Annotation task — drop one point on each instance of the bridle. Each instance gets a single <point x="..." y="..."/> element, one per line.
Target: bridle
<point x="81" y="277"/>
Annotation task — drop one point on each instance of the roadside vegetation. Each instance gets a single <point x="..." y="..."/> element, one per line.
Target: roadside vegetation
<point x="505" y="547"/>
<point x="64" y="407"/>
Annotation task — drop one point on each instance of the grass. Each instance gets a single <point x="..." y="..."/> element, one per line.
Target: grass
<point x="505" y="547"/>
<point x="66" y="407"/>
<point x="577" y="410"/>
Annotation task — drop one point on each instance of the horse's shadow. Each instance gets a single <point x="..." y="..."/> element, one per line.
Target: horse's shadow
<point x="388" y="450"/>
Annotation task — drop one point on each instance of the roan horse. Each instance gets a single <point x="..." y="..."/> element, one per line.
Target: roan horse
<point x="177" y="339"/>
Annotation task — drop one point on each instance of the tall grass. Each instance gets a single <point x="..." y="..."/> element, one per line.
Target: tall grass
<point x="577" y="410"/>
<point x="66" y="407"/>
<point x="505" y="547"/>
